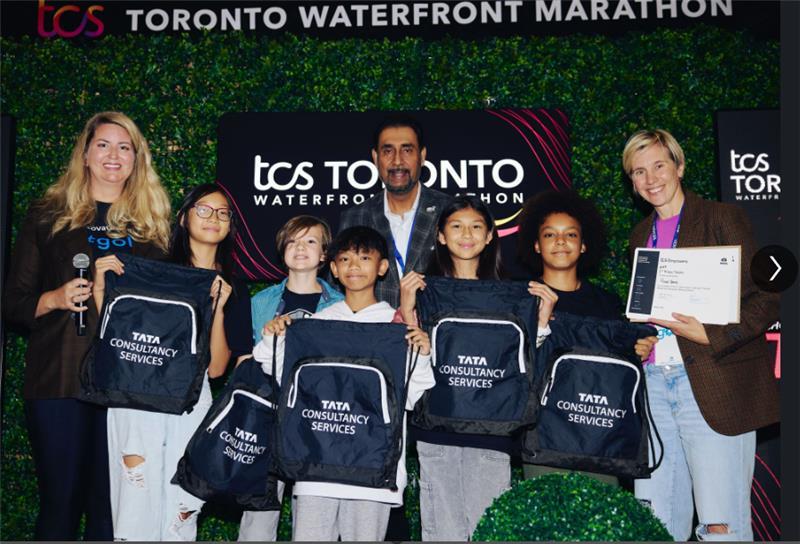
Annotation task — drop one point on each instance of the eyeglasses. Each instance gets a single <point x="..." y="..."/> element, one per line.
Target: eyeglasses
<point x="204" y="212"/>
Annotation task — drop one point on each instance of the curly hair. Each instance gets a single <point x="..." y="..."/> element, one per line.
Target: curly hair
<point x="142" y="210"/>
<point x="539" y="207"/>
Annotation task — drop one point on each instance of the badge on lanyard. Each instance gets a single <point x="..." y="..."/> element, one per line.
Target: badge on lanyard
<point x="667" y="351"/>
<point x="401" y="261"/>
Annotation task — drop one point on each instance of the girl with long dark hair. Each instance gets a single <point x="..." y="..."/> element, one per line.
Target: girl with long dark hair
<point x="144" y="447"/>
<point x="460" y="474"/>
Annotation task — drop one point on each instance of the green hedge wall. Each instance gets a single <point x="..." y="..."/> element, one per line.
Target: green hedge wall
<point x="176" y="87"/>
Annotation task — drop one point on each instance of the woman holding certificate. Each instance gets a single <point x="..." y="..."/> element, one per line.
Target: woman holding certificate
<point x="710" y="386"/>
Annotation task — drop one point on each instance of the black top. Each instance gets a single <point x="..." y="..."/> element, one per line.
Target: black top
<point x="97" y="235"/>
<point x="505" y="444"/>
<point x="238" y="321"/>
<point x="43" y="262"/>
<point x="589" y="301"/>
<point x="294" y="301"/>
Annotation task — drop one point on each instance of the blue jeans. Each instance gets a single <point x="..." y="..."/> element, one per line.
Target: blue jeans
<point x="701" y="467"/>
<point x="145" y="505"/>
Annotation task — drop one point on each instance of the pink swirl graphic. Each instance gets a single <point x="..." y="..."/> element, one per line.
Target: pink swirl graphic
<point x="766" y="467"/>
<point x="556" y="161"/>
<point x="766" y="520"/>
<point x="241" y="250"/>
<point x="548" y="142"/>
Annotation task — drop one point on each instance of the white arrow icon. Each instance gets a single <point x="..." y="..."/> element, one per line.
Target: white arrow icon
<point x="777" y="265"/>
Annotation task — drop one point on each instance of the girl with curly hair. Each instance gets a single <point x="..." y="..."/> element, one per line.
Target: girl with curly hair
<point x="562" y="239"/>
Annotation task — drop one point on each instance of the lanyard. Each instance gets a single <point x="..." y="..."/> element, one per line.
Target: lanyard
<point x="654" y="230"/>
<point x="400" y="259"/>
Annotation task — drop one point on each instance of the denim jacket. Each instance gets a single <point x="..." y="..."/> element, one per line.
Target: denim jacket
<point x="268" y="304"/>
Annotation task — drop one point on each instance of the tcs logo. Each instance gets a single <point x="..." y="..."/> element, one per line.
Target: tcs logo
<point x="58" y="27"/>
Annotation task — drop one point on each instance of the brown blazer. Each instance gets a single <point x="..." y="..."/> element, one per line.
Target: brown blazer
<point x="732" y="379"/>
<point x="42" y="263"/>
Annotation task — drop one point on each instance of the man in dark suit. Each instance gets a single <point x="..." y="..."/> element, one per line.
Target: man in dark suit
<point x="405" y="212"/>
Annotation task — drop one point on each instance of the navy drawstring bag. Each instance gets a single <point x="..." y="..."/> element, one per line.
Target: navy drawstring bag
<point x="343" y="396"/>
<point x="229" y="458"/>
<point x="592" y="408"/>
<point x="482" y="356"/>
<point x="151" y="350"/>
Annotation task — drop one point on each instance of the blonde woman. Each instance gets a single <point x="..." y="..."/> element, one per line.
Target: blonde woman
<point x="709" y="386"/>
<point x="109" y="199"/>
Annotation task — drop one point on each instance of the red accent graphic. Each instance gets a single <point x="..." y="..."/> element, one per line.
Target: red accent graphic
<point x="507" y="232"/>
<point x="542" y="142"/>
<point x="776" y="337"/>
<point x="766" y="520"/>
<point x="546" y="137"/>
<point x="58" y="28"/>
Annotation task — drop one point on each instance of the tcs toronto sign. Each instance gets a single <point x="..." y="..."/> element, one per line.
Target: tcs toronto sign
<point x="74" y="24"/>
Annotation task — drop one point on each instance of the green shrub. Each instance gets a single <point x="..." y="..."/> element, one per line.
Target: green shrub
<point x="568" y="507"/>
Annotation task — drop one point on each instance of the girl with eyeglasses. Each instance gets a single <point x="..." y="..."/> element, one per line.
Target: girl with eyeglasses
<point x="145" y="446"/>
<point x="203" y="237"/>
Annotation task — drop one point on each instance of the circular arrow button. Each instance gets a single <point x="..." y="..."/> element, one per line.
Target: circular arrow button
<point x="773" y="268"/>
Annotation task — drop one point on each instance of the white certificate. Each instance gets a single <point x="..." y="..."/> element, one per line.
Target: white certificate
<point x="704" y="282"/>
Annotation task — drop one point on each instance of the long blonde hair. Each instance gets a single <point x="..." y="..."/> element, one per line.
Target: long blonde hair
<point x="142" y="210"/>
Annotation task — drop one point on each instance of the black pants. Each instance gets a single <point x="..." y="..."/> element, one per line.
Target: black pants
<point x="70" y="452"/>
<point x="398" y="528"/>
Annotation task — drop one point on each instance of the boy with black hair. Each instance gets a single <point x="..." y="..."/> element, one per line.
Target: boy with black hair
<point x="326" y="511"/>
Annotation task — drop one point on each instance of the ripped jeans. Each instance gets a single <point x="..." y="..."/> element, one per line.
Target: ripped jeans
<point x="145" y="506"/>
<point x="701" y="467"/>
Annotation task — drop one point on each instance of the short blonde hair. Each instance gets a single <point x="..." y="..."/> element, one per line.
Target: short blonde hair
<point x="645" y="138"/>
<point x="299" y="224"/>
<point x="142" y="210"/>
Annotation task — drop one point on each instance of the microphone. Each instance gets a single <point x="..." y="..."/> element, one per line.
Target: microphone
<point x="81" y="263"/>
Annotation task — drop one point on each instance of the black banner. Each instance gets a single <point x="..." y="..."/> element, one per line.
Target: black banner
<point x="278" y="165"/>
<point x="92" y="19"/>
<point x="748" y="142"/>
<point x="748" y="145"/>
